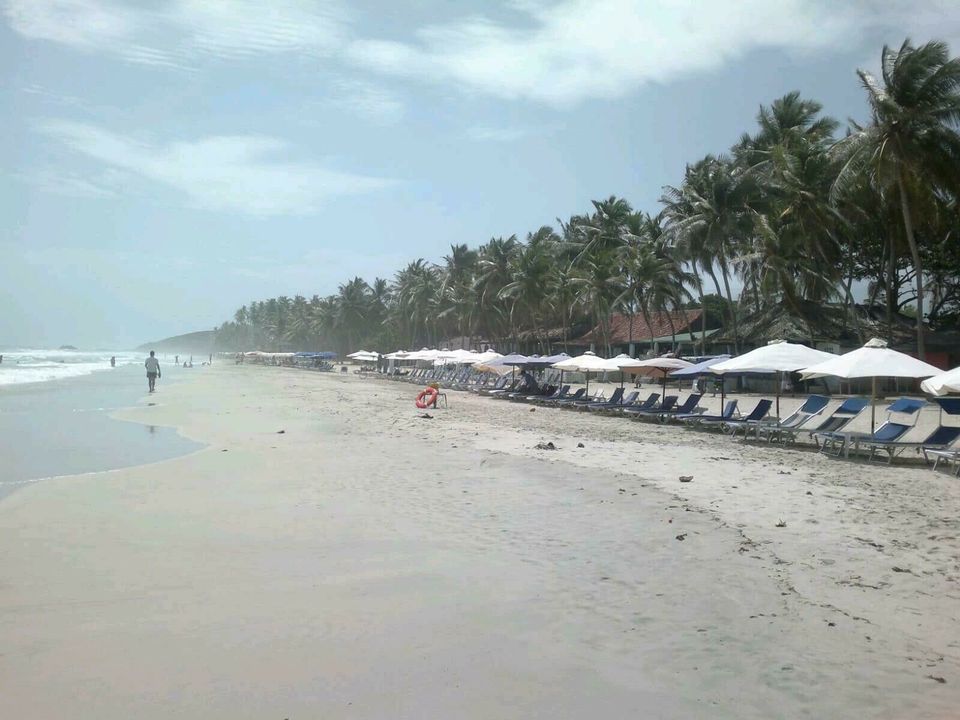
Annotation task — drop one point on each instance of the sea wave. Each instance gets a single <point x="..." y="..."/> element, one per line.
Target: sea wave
<point x="23" y="366"/>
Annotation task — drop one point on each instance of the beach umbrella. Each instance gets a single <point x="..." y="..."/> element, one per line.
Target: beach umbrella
<point x="487" y="356"/>
<point x="354" y="355"/>
<point x="658" y="367"/>
<point x="777" y="356"/>
<point x="874" y="360"/>
<point x="587" y="363"/>
<point x="943" y="384"/>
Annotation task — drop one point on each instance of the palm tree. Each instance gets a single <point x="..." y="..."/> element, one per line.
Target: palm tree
<point x="911" y="143"/>
<point x="529" y="288"/>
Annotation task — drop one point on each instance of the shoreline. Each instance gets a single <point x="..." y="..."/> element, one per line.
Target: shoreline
<point x="72" y="426"/>
<point x="445" y="548"/>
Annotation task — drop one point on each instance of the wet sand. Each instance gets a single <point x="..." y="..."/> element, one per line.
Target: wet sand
<point x="369" y="563"/>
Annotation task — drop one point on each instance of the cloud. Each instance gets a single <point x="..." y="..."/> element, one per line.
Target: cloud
<point x="240" y="173"/>
<point x="566" y="52"/>
<point x="180" y="33"/>
<point x="558" y="53"/>
<point x="580" y="49"/>
<point x="482" y="133"/>
<point x="70" y="184"/>
<point x="371" y="102"/>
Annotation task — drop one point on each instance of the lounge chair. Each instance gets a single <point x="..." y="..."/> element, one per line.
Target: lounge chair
<point x="937" y="441"/>
<point x="615" y="399"/>
<point x="694" y="419"/>
<point x="810" y="408"/>
<point x="839" y="418"/>
<point x="561" y="391"/>
<point x="629" y="399"/>
<point x="636" y="407"/>
<point x="948" y="451"/>
<point x="578" y="395"/>
<point x="889" y="431"/>
<point x="668" y="403"/>
<point x="687" y="407"/>
<point x="567" y="398"/>
<point x="759" y="412"/>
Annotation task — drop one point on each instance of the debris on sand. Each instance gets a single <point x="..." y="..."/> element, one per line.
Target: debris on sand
<point x="937" y="678"/>
<point x="533" y="409"/>
<point x="425" y="416"/>
<point x="580" y="445"/>
<point x="545" y="446"/>
<point x="681" y="537"/>
<point x="281" y="432"/>
<point x="686" y="478"/>
<point x="781" y="523"/>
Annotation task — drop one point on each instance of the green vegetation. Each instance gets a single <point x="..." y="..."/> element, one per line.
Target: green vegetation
<point x="791" y="217"/>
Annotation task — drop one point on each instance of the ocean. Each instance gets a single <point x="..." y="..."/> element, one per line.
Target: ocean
<point x="54" y="414"/>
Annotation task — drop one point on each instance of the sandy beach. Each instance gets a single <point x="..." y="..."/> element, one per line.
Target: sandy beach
<point x="332" y="554"/>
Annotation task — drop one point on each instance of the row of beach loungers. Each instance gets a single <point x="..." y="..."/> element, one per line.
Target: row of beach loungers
<point x="826" y="430"/>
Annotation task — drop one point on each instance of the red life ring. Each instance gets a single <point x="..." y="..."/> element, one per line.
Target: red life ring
<point x="427" y="398"/>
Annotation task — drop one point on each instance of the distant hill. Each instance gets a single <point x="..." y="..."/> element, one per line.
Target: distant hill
<point x="200" y="342"/>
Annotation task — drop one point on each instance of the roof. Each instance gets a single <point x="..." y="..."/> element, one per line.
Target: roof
<point x="818" y="322"/>
<point x="662" y="324"/>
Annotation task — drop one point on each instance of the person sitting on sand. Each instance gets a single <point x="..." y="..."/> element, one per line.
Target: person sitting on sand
<point x="153" y="371"/>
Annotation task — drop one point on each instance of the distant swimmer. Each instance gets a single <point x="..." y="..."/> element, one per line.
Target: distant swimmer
<point x="153" y="371"/>
<point x="113" y="361"/>
<point x="176" y="359"/>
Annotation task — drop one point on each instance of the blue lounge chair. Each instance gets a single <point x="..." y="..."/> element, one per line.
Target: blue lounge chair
<point x="668" y="403"/>
<point x="759" y="412"/>
<point x="687" y="407"/>
<point x="889" y="431"/>
<point x="944" y="451"/>
<point x="839" y="418"/>
<point x="569" y="398"/>
<point x="643" y="406"/>
<point x="615" y="399"/>
<point x="811" y="407"/>
<point x="627" y="400"/>
<point x="728" y="414"/>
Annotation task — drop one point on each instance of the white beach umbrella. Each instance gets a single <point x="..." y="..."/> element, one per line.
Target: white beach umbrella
<point x="943" y="384"/>
<point x="487" y="355"/>
<point x="777" y="357"/>
<point x="874" y="360"/>
<point x="358" y="352"/>
<point x="587" y="363"/>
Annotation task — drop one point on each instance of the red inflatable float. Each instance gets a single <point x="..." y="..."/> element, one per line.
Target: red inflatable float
<point x="427" y="398"/>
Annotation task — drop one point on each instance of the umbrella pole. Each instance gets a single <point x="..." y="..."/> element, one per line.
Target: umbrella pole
<point x="873" y="404"/>
<point x="779" y="383"/>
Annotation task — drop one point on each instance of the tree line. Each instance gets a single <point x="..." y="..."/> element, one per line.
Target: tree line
<point x="794" y="214"/>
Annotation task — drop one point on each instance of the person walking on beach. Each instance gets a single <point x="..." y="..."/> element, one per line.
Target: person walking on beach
<point x="153" y="371"/>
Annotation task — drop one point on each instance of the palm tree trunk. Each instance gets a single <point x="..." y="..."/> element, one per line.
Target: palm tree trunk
<point x="703" y="318"/>
<point x="917" y="266"/>
<point x="852" y="309"/>
<point x="733" y="313"/>
<point x="891" y="282"/>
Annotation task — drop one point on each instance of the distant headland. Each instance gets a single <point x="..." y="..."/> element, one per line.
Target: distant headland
<point x="201" y="342"/>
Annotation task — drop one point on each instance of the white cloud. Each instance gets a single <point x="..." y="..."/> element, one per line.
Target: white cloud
<point x="481" y="133"/>
<point x="574" y="50"/>
<point x="70" y="184"/>
<point x="600" y="48"/>
<point x="178" y="33"/>
<point x="240" y="173"/>
<point x="371" y="102"/>
<point x="555" y="52"/>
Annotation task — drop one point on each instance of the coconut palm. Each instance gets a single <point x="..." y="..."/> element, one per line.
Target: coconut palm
<point x="910" y="146"/>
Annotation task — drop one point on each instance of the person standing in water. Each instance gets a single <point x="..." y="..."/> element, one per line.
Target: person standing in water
<point x="153" y="371"/>
<point x="113" y="361"/>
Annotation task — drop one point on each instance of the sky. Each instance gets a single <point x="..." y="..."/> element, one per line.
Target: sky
<point x="164" y="162"/>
